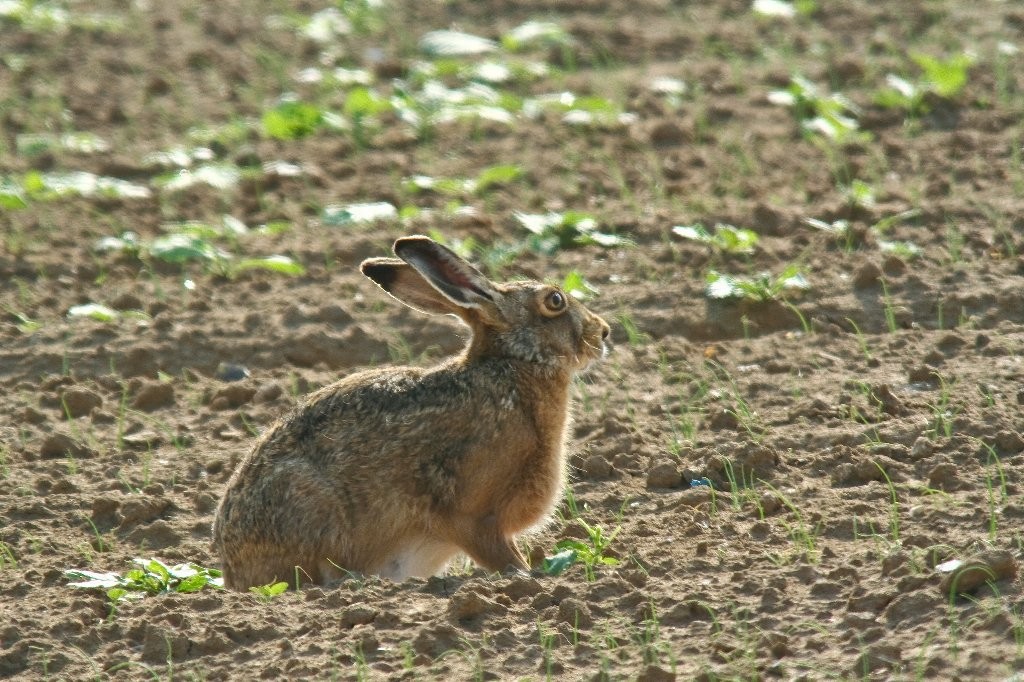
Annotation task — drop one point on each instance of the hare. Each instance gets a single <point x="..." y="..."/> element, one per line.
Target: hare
<point x="392" y="471"/>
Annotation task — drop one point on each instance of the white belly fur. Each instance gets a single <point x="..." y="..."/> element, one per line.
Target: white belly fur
<point x="420" y="559"/>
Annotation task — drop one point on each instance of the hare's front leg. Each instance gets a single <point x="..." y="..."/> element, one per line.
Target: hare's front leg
<point x="483" y="541"/>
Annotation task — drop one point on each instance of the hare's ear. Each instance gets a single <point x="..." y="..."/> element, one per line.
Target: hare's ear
<point x="401" y="281"/>
<point x="454" y="278"/>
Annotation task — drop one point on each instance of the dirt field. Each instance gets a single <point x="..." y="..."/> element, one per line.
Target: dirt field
<point x="858" y="414"/>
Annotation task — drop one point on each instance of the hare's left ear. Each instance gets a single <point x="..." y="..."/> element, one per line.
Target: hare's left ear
<point x="445" y="271"/>
<point x="405" y="284"/>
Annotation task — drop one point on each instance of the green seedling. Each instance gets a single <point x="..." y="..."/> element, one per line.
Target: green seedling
<point x="571" y="551"/>
<point x="222" y="176"/>
<point x="859" y="193"/>
<point x="196" y="242"/>
<point x="94" y="311"/>
<point x="24" y="323"/>
<point x="535" y="34"/>
<point x="903" y="250"/>
<point x="487" y="179"/>
<point x="832" y="116"/>
<point x="12" y="197"/>
<point x="943" y="78"/>
<point x="38" y="186"/>
<point x="572" y="229"/>
<point x="579" y="287"/>
<point x="361" y="106"/>
<point x="888" y="308"/>
<point x="763" y="287"/>
<point x="943" y="411"/>
<point x="267" y="592"/>
<point x="151" y="578"/>
<point x="337" y="215"/>
<point x="35" y="144"/>
<point x="32" y="15"/>
<point x="633" y="333"/>
<point x="840" y="229"/>
<point x="7" y="558"/>
<point x="291" y="120"/>
<point x="445" y="43"/>
<point x="727" y="238"/>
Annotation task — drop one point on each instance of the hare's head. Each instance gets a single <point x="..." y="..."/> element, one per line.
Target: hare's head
<point x="525" y="320"/>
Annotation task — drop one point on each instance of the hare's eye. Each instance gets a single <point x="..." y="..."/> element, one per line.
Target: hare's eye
<point x="555" y="301"/>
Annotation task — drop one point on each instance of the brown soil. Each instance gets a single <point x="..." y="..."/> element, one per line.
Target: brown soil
<point x="857" y="439"/>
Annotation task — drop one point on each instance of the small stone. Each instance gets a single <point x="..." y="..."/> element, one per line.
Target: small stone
<point x="62" y="445"/>
<point x="868" y="275"/>
<point x="922" y="374"/>
<point x="161" y="643"/>
<point x="655" y="673"/>
<point x="894" y="562"/>
<point x="31" y="415"/>
<point x="156" y="535"/>
<point x="136" y="510"/>
<point x="333" y="314"/>
<point x="126" y="301"/>
<point x="722" y="419"/>
<point x="153" y="395"/>
<point x="695" y="497"/>
<point x="228" y="371"/>
<point x="667" y="134"/>
<point x="576" y="613"/>
<point x="921" y="448"/>
<point x="143" y="440"/>
<point x="79" y="401"/>
<point x="358" y="614"/>
<point x="232" y="396"/>
<point x="1008" y="442"/>
<point x="878" y="657"/>
<point x="268" y="392"/>
<point x="944" y="476"/>
<point x="468" y="603"/>
<point x="205" y="502"/>
<point x="888" y="401"/>
<point x="596" y="467"/>
<point x="664" y="474"/>
<point x="966" y="576"/>
<point x="894" y="266"/>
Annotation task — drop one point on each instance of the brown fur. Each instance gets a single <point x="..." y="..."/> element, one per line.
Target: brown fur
<point x="393" y="471"/>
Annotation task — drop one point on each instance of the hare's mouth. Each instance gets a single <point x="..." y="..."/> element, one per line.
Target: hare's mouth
<point x="592" y="350"/>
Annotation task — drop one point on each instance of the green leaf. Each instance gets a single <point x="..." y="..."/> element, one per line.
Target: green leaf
<point x="455" y="44"/>
<point x="159" y="569"/>
<point x="572" y="544"/>
<point x="362" y="102"/>
<point x="117" y="593"/>
<point x="695" y="232"/>
<point x="291" y="120"/>
<point x="11" y="196"/>
<point x="534" y="34"/>
<point x="556" y="565"/>
<point x="497" y="175"/>
<point x="578" y="286"/>
<point x="945" y="77"/>
<point x="181" y="248"/>
<point x="359" y="213"/>
<point x="95" y="311"/>
<point x="193" y="584"/>
<point x="91" y="579"/>
<point x="281" y="264"/>
<point x="128" y="242"/>
<point x="269" y="590"/>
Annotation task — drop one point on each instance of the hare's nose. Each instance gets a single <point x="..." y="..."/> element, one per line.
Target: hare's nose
<point x="606" y="331"/>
